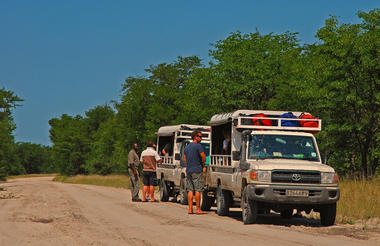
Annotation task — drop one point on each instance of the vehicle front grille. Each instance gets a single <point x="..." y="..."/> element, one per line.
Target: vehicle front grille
<point x="296" y="176"/>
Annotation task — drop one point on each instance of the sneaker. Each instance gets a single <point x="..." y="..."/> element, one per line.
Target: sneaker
<point x="136" y="200"/>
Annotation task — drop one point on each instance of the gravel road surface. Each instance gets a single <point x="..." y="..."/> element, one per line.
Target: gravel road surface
<point x="38" y="211"/>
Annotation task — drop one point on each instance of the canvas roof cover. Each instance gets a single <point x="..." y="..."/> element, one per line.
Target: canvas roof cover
<point x="170" y="130"/>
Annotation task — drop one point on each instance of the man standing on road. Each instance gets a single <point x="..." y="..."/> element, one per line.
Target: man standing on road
<point x="195" y="158"/>
<point x="133" y="165"/>
<point x="149" y="158"/>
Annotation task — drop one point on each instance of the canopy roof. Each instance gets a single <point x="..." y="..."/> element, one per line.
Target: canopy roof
<point x="170" y="130"/>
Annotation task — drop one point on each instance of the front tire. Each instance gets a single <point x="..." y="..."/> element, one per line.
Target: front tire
<point x="222" y="201"/>
<point x="328" y="214"/>
<point x="164" y="197"/>
<point x="249" y="208"/>
<point x="287" y="213"/>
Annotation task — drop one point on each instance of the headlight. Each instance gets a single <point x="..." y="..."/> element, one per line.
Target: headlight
<point x="329" y="178"/>
<point x="262" y="176"/>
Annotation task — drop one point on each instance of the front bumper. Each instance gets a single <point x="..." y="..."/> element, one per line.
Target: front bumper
<point x="277" y="194"/>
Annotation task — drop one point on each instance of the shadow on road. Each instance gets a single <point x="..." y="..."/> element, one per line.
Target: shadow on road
<point x="276" y="219"/>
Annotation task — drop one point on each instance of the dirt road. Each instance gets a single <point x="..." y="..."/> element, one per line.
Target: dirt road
<point x="37" y="211"/>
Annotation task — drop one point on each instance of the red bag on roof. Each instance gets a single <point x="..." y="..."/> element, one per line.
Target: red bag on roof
<point x="261" y="122"/>
<point x="308" y="123"/>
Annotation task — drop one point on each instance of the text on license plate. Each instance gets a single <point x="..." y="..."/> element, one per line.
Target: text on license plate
<point x="302" y="193"/>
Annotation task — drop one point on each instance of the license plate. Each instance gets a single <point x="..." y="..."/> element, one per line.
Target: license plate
<point x="301" y="193"/>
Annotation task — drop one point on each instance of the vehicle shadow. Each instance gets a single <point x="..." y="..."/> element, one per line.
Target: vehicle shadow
<point x="273" y="218"/>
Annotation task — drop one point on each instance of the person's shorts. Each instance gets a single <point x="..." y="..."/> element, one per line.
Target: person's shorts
<point x="194" y="182"/>
<point x="149" y="178"/>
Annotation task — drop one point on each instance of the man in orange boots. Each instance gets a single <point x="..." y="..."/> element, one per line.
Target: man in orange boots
<point x="195" y="158"/>
<point x="149" y="158"/>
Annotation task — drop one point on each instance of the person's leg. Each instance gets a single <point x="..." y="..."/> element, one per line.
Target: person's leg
<point x="144" y="191"/>
<point x="133" y="186"/>
<point x="198" y="203"/>
<point x="152" y="184"/>
<point x="189" y="188"/>
<point x="146" y="186"/>
<point x="198" y="183"/>
<point x="151" y="192"/>
<point x="190" y="201"/>
<point x="137" y="188"/>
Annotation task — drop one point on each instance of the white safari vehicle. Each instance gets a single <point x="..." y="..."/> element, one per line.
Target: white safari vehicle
<point x="268" y="167"/>
<point x="171" y="173"/>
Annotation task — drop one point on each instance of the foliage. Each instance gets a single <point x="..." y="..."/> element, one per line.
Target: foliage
<point x="35" y="158"/>
<point x="346" y="66"/>
<point x="9" y="162"/>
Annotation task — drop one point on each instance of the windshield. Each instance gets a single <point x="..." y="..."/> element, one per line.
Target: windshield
<point x="281" y="147"/>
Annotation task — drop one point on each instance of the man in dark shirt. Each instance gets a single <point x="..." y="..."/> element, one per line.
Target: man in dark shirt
<point x="195" y="158"/>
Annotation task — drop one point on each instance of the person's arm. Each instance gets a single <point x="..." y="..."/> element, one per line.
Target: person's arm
<point x="157" y="157"/>
<point x="203" y="156"/>
<point x="136" y="163"/>
<point x="131" y="162"/>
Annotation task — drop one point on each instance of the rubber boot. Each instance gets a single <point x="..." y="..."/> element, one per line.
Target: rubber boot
<point x="151" y="191"/>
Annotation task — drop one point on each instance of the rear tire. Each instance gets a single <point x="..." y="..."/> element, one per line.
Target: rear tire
<point x="183" y="193"/>
<point x="222" y="201"/>
<point x="164" y="197"/>
<point x="206" y="202"/>
<point x="328" y="214"/>
<point x="249" y="208"/>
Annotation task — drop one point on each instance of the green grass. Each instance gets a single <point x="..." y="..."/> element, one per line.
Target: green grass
<point x="359" y="200"/>
<point x="114" y="180"/>
<point x="31" y="176"/>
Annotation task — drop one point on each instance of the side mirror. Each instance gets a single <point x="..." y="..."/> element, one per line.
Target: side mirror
<point x="244" y="165"/>
<point x="235" y="155"/>
<point x="324" y="159"/>
<point x="177" y="156"/>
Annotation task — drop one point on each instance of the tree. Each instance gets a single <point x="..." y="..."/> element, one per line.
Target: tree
<point x="70" y="144"/>
<point x="245" y="72"/>
<point x="346" y="66"/>
<point x="35" y="158"/>
<point x="9" y="163"/>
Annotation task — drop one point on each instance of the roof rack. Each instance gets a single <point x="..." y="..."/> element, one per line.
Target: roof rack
<point x="187" y="134"/>
<point x="183" y="130"/>
<point x="246" y="122"/>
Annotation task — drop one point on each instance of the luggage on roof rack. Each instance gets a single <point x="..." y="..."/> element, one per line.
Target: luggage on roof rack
<point x="244" y="119"/>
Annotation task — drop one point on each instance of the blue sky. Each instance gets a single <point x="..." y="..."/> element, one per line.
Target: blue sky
<point x="68" y="56"/>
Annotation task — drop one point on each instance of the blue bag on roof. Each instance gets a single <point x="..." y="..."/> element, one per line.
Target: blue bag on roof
<point x="289" y="123"/>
